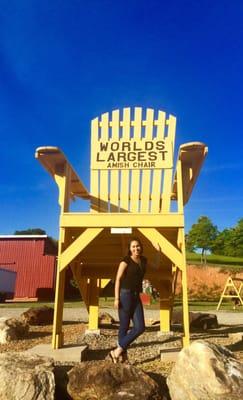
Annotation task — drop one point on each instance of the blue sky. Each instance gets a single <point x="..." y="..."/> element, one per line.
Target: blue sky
<point x="64" y="62"/>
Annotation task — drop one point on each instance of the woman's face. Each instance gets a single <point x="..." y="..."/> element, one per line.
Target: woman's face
<point x="135" y="248"/>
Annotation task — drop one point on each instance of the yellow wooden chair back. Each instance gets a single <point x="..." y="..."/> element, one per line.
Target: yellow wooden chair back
<point x="132" y="161"/>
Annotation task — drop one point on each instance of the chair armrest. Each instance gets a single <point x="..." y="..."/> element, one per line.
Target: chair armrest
<point x="192" y="156"/>
<point x="54" y="161"/>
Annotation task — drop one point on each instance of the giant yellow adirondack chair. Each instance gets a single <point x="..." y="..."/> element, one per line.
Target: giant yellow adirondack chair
<point x="133" y="184"/>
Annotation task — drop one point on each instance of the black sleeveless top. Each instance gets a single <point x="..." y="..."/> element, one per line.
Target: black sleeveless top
<point x="132" y="277"/>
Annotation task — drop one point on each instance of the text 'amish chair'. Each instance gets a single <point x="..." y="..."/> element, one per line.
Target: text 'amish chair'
<point x="133" y="185"/>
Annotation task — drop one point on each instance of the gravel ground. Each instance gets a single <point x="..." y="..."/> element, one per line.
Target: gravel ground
<point x="144" y="353"/>
<point x="80" y="314"/>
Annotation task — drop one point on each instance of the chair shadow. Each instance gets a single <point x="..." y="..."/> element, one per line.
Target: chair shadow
<point x="146" y="360"/>
<point x="74" y="322"/>
<point x="97" y="354"/>
<point x="37" y="335"/>
<point x="238" y="346"/>
<point x="155" y="342"/>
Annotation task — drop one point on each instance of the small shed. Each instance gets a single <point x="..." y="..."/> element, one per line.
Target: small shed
<point x="33" y="258"/>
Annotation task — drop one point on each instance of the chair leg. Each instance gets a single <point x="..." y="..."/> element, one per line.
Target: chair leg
<point x="57" y="334"/>
<point x="93" y="304"/>
<point x="186" y="337"/>
<point x="164" y="316"/>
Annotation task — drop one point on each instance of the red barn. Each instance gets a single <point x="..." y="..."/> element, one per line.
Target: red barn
<point x="33" y="258"/>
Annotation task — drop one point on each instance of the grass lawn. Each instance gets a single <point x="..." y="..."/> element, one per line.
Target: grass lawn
<point x="222" y="261"/>
<point x="194" y="305"/>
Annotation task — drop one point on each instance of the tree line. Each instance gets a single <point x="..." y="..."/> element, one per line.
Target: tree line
<point x="205" y="235"/>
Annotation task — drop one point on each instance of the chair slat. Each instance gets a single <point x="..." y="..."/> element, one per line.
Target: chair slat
<point x="114" y="174"/>
<point x="146" y="174"/>
<point x="168" y="173"/>
<point x="158" y="173"/>
<point x="104" y="190"/>
<point x="134" y="190"/>
<point x="94" y="176"/>
<point x="125" y="184"/>
<point x="135" y="175"/>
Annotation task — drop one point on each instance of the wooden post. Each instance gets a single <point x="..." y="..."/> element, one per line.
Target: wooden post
<point x="93" y="304"/>
<point x="63" y="182"/>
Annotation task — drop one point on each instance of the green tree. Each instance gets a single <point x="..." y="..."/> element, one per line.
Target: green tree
<point x="229" y="242"/>
<point x="238" y="238"/>
<point x="222" y="242"/>
<point x="31" y="231"/>
<point x="36" y="231"/>
<point x="202" y="236"/>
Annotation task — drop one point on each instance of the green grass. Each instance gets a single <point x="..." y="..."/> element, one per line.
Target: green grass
<point x="194" y="305"/>
<point x="223" y="261"/>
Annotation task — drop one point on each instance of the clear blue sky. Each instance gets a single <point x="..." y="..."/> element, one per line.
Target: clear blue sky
<point x="63" y="62"/>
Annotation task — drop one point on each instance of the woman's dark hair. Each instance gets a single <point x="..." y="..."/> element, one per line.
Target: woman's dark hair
<point x="134" y="239"/>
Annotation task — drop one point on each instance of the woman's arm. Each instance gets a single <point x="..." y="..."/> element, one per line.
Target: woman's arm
<point x="120" y="272"/>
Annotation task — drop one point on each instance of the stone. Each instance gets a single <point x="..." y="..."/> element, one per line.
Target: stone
<point x="236" y="337"/>
<point x="206" y="371"/>
<point x="67" y="353"/>
<point x="12" y="329"/>
<point x="197" y="320"/>
<point x="168" y="355"/>
<point x="26" y="377"/>
<point x="103" y="380"/>
<point x="106" y="318"/>
<point x="38" y="315"/>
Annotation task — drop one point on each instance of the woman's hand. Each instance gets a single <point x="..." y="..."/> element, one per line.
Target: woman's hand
<point x="116" y="303"/>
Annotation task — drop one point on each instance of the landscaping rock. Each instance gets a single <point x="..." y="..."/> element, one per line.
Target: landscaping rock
<point x="12" y="329"/>
<point x="236" y="337"/>
<point x="197" y="320"/>
<point x="205" y="371"/>
<point x="38" y="315"/>
<point x="104" y="380"/>
<point x="28" y="377"/>
<point x="106" y="318"/>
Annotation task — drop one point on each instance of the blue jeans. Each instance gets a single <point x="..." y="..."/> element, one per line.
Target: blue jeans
<point x="130" y="308"/>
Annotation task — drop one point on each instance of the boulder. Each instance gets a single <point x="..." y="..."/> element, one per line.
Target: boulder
<point x="103" y="380"/>
<point x="26" y="377"/>
<point x="197" y="320"/>
<point x="12" y="329"/>
<point x="38" y="315"/>
<point x="106" y="318"/>
<point x="205" y="371"/>
<point x="236" y="337"/>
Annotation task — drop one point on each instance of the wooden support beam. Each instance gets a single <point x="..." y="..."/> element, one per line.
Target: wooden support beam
<point x="77" y="246"/>
<point x="166" y="247"/>
<point x="119" y="220"/>
<point x="104" y="283"/>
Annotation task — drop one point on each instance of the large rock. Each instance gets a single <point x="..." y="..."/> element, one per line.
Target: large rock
<point x="38" y="315"/>
<point x="28" y="377"/>
<point x="12" y="329"/>
<point x="104" y="380"/>
<point x="197" y="320"/>
<point x="205" y="371"/>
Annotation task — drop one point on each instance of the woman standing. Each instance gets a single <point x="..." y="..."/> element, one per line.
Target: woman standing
<point x="128" y="286"/>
